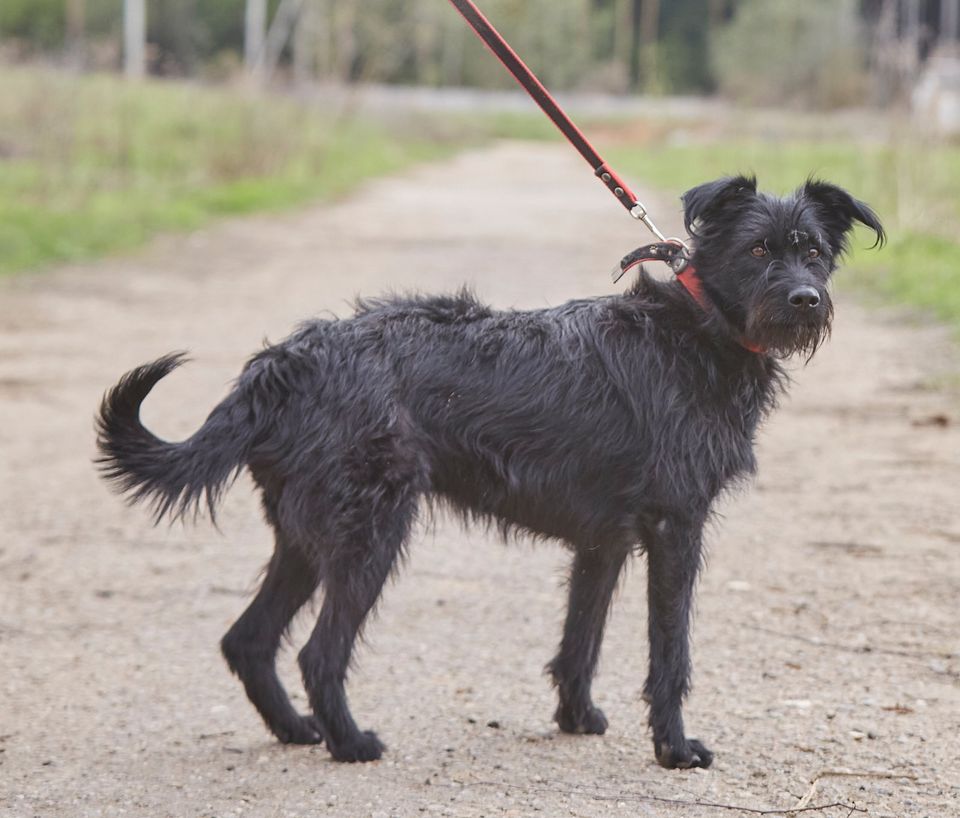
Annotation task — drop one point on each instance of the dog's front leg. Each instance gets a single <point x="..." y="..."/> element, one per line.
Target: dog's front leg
<point x="673" y="558"/>
<point x="593" y="579"/>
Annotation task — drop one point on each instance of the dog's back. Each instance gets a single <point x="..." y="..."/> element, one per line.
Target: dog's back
<point x="567" y="421"/>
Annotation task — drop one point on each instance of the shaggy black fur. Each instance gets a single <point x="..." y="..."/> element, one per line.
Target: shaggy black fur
<point x="610" y="424"/>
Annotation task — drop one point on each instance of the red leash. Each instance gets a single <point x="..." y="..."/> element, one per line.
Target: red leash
<point x="501" y="49"/>
<point x="672" y="251"/>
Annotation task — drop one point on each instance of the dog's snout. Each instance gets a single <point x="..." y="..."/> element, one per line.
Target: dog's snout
<point x="804" y="298"/>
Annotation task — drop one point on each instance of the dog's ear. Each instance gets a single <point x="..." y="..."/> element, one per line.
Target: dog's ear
<point x="838" y="210"/>
<point x="700" y="202"/>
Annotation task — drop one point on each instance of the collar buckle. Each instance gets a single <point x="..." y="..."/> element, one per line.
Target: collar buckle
<point x="673" y="252"/>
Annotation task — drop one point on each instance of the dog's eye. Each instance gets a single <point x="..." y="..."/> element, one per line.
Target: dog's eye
<point x="758" y="251"/>
<point x="813" y="252"/>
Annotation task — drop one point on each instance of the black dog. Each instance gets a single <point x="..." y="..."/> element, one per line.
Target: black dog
<point x="610" y="424"/>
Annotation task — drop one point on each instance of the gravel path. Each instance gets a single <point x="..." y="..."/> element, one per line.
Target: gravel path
<point x="826" y="636"/>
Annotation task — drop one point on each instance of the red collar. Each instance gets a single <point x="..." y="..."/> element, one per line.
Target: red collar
<point x="673" y="253"/>
<point x="693" y="284"/>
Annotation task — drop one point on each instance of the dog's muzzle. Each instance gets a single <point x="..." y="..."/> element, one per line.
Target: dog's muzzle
<point x="793" y="321"/>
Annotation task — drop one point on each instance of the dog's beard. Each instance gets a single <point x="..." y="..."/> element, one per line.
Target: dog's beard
<point x="782" y="331"/>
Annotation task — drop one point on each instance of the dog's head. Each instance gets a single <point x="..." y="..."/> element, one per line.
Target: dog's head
<point x="766" y="261"/>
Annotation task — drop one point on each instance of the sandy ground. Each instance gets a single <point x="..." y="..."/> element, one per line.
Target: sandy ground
<point x="826" y="636"/>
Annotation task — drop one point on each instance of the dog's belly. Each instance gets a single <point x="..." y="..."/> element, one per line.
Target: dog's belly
<point x="567" y="486"/>
<point x="560" y="513"/>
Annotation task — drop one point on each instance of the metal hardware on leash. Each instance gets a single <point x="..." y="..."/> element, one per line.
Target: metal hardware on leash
<point x="638" y="211"/>
<point x="679" y="264"/>
<point x="501" y="49"/>
<point x="673" y="252"/>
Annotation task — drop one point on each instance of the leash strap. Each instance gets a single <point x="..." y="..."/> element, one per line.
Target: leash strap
<point x="528" y="80"/>
<point x="672" y="251"/>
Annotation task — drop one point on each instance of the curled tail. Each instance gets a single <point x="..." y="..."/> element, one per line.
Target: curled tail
<point x="173" y="477"/>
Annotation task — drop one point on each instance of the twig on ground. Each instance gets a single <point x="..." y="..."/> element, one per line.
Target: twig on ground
<point x="658" y="799"/>
<point x="801" y="805"/>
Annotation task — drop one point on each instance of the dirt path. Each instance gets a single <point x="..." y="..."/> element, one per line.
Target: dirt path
<point x="826" y="637"/>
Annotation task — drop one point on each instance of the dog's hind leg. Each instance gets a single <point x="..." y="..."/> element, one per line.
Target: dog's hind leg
<point x="593" y="579"/>
<point x="250" y="646"/>
<point x="673" y="558"/>
<point x="353" y="579"/>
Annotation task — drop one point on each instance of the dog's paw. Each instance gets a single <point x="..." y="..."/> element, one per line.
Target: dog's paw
<point x="306" y="730"/>
<point x="589" y="720"/>
<point x="360" y="747"/>
<point x="690" y="753"/>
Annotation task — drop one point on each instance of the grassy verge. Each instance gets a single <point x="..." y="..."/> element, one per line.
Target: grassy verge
<point x="89" y="165"/>
<point x="914" y="188"/>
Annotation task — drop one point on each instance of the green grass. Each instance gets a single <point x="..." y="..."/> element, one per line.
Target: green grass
<point x="914" y="187"/>
<point x="92" y="165"/>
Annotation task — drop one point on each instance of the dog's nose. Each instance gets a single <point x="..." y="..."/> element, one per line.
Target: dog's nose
<point x="804" y="298"/>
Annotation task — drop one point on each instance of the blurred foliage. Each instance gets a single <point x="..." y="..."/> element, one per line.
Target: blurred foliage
<point x="41" y="24"/>
<point x="777" y="52"/>
<point x="758" y="51"/>
<point x="183" y="33"/>
<point x="685" y="46"/>
<point x="572" y="44"/>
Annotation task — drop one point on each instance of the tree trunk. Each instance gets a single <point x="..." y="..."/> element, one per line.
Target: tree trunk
<point x="645" y="31"/>
<point x="305" y="39"/>
<point x="254" y="35"/>
<point x="949" y="20"/>
<point x="650" y="22"/>
<point x="451" y="50"/>
<point x="76" y="31"/>
<point x="134" y="37"/>
<point x="633" y="59"/>
<point x="278" y="35"/>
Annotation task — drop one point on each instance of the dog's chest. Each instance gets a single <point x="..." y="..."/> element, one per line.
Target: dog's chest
<point x="695" y="434"/>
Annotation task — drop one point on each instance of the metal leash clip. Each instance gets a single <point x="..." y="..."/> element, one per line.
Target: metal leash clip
<point x="640" y="213"/>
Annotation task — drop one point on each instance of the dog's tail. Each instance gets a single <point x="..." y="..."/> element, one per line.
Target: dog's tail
<point x="173" y="477"/>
